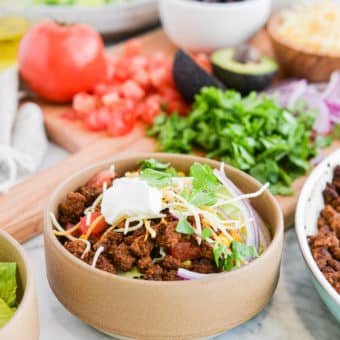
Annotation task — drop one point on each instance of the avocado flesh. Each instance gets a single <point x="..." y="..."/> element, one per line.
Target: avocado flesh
<point x="189" y="77"/>
<point x="243" y="77"/>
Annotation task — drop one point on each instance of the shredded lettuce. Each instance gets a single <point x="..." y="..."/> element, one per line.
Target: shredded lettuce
<point x="8" y="290"/>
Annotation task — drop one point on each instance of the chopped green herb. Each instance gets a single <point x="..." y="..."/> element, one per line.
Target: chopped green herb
<point x="203" y="177"/>
<point x="206" y="233"/>
<point x="184" y="227"/>
<point x="156" y="178"/>
<point x="152" y="163"/>
<point x="252" y="133"/>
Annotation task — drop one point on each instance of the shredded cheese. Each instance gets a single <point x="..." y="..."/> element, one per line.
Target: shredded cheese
<point x="93" y="226"/>
<point x="312" y="26"/>
<point x="96" y="256"/>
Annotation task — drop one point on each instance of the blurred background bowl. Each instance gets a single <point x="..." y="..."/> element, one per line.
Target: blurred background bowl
<point x="24" y="324"/>
<point x="309" y="205"/>
<point x="202" y="26"/>
<point x="110" y="19"/>
<point x="297" y="62"/>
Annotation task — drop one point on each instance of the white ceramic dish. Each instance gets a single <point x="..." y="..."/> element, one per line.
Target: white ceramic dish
<point x="107" y="19"/>
<point x="200" y="26"/>
<point x="309" y="205"/>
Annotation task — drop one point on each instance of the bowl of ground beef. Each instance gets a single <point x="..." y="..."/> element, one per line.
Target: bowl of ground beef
<point x="163" y="246"/>
<point x="317" y="224"/>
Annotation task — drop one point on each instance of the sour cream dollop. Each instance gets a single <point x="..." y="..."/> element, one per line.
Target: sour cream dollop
<point x="132" y="197"/>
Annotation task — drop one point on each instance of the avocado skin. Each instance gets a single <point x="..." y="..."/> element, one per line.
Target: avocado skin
<point x="244" y="83"/>
<point x="189" y="77"/>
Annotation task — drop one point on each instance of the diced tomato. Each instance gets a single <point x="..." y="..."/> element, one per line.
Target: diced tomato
<point x="177" y="106"/>
<point x="84" y="103"/>
<point x="152" y="108"/>
<point x="98" y="228"/>
<point x="132" y="90"/>
<point x="142" y="78"/>
<point x="99" y="179"/>
<point x="93" y="123"/>
<point x="110" y="99"/>
<point x="122" y="123"/>
<point x="132" y="48"/>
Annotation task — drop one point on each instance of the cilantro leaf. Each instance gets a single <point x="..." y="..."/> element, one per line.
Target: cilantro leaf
<point x="206" y="233"/>
<point x="203" y="177"/>
<point x="201" y="198"/>
<point x="184" y="227"/>
<point x="152" y="163"/>
<point x="156" y="178"/>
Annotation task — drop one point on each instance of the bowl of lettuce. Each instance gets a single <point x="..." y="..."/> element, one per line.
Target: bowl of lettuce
<point x="109" y="17"/>
<point x="18" y="304"/>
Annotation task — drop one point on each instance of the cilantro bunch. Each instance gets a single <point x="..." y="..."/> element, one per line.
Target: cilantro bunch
<point x="252" y="133"/>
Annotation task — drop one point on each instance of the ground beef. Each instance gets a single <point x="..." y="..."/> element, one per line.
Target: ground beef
<point x="154" y="272"/>
<point x="187" y="250"/>
<point x="170" y="275"/>
<point x="110" y="242"/>
<point x="90" y="194"/>
<point x="105" y="264"/>
<point x="325" y="245"/>
<point x="72" y="208"/>
<point x="123" y="258"/>
<point x="204" y="266"/>
<point x="170" y="262"/>
<point x="207" y="250"/>
<point x="167" y="237"/>
<point x="141" y="247"/>
<point x="144" y="263"/>
<point x="76" y="247"/>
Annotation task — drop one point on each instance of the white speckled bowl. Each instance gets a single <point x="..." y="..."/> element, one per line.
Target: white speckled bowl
<point x="201" y="26"/>
<point x="107" y="19"/>
<point x="309" y="205"/>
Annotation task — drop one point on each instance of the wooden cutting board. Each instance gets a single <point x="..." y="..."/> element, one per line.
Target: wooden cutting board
<point x="21" y="210"/>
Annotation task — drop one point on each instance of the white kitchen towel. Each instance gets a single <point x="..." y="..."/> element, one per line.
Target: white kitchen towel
<point x="23" y="141"/>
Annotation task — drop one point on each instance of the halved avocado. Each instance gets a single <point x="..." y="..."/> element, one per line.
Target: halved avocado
<point x="243" y="69"/>
<point x="189" y="77"/>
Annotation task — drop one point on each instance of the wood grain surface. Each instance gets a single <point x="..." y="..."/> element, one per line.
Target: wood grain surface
<point x="21" y="210"/>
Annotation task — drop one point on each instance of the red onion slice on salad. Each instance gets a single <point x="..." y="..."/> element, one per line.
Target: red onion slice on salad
<point x="253" y="238"/>
<point x="189" y="275"/>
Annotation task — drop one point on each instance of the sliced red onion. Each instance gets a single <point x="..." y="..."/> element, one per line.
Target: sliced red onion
<point x="189" y="275"/>
<point x="332" y="91"/>
<point x="252" y="226"/>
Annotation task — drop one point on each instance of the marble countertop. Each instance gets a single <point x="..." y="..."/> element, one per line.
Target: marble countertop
<point x="295" y="311"/>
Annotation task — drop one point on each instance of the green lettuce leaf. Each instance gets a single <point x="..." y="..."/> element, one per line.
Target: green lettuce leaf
<point x="5" y="313"/>
<point x="8" y="283"/>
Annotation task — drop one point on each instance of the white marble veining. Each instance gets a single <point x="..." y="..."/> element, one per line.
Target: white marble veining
<point x="295" y="311"/>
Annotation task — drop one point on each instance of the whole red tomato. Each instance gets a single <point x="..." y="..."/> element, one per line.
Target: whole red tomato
<point x="58" y="61"/>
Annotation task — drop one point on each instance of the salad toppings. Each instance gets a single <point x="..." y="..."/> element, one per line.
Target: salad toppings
<point x="190" y="77"/>
<point x="253" y="133"/>
<point x="243" y="69"/>
<point x="132" y="197"/>
<point x="76" y="53"/>
<point x="8" y="292"/>
<point x="325" y="245"/>
<point x="156" y="220"/>
<point x="137" y="87"/>
<point x="325" y="98"/>
<point x="312" y="26"/>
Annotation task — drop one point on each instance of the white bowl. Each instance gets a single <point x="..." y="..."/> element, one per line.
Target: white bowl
<point x="310" y="203"/>
<point x="200" y="26"/>
<point x="107" y="19"/>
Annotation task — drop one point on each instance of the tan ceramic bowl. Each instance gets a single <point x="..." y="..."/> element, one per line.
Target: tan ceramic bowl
<point x="138" y="309"/>
<point x="298" y="62"/>
<point x="24" y="324"/>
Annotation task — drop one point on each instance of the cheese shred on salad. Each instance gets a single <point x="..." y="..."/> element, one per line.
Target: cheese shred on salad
<point x="158" y="223"/>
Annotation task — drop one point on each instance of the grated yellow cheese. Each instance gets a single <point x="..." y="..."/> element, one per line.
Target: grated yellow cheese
<point x="312" y="26"/>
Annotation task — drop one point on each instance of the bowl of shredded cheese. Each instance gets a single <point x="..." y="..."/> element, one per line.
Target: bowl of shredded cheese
<point x="306" y="39"/>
